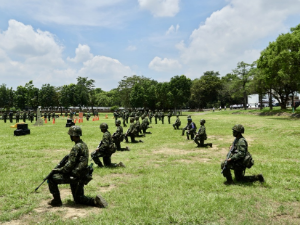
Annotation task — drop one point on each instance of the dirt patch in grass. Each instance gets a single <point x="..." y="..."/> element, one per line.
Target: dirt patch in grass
<point x="193" y="160"/>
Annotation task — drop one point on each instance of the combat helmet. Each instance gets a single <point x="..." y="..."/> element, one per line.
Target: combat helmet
<point x="103" y="126"/>
<point x="238" y="128"/>
<point x="202" y="121"/>
<point x="118" y="122"/>
<point x="75" y="131"/>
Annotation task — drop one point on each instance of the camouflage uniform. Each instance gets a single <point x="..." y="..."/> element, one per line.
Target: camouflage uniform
<point x="74" y="173"/>
<point x="156" y="115"/>
<point x="4" y="116"/>
<point x="145" y="125"/>
<point x="118" y="137"/>
<point x="49" y="116"/>
<point x="169" y="116"/>
<point x="31" y="116"/>
<point x="66" y="114"/>
<point x="17" y="117"/>
<point x="116" y="115"/>
<point x="237" y="156"/>
<point x="131" y="132"/>
<point x="201" y="136"/>
<point x="10" y="115"/>
<point x="88" y="115"/>
<point x="150" y="114"/>
<point x="24" y="116"/>
<point x="162" y="116"/>
<point x="105" y="149"/>
<point x="188" y="124"/>
<point x="126" y="116"/>
<point x="53" y="115"/>
<point x="177" y="123"/>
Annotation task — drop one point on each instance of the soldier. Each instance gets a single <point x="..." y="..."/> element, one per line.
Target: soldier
<point x="191" y="130"/>
<point x="169" y="116"/>
<point x="116" y="115"/>
<point x="88" y="115"/>
<point x="177" y="123"/>
<point x="45" y="115"/>
<point x="105" y="149"/>
<point x="71" y="115"/>
<point x="126" y="116"/>
<point x="53" y="115"/>
<point x="31" y="116"/>
<point x="66" y="113"/>
<point x="17" y="116"/>
<point x="10" y="115"/>
<point x="118" y="137"/>
<point x="186" y="127"/>
<point x="162" y="116"/>
<point x="145" y="125"/>
<point x="238" y="159"/>
<point x="131" y="132"/>
<point x="201" y="136"/>
<point x="74" y="173"/>
<point x="24" y="116"/>
<point x="138" y="127"/>
<point x="156" y="116"/>
<point x="159" y="114"/>
<point x="4" y="116"/>
<point x="150" y="115"/>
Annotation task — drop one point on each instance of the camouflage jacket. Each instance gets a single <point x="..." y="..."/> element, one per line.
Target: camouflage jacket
<point x="156" y="114"/>
<point x="106" y="141"/>
<point x="191" y="126"/>
<point x="178" y="121"/>
<point x="145" y="123"/>
<point x="169" y="114"/>
<point x="78" y="160"/>
<point x="240" y="149"/>
<point x="119" y="131"/>
<point x="137" y="124"/>
<point x="162" y="114"/>
<point x="131" y="129"/>
<point x="201" y="131"/>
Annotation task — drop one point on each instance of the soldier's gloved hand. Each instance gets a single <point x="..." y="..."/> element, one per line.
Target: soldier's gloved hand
<point x="56" y="170"/>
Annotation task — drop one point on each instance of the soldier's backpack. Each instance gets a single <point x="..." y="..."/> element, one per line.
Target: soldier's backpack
<point x="112" y="148"/>
<point x="248" y="161"/>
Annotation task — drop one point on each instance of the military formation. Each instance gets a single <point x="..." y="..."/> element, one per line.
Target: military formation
<point x="74" y="168"/>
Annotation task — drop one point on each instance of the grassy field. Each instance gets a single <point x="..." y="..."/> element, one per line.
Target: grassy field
<point x="167" y="180"/>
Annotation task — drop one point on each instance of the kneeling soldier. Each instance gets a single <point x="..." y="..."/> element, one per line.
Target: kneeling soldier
<point x="118" y="137"/>
<point x="131" y="132"/>
<point x="74" y="173"/>
<point x="238" y="159"/>
<point x="105" y="149"/>
<point x="177" y="123"/>
<point x="191" y="129"/>
<point x="201" y="135"/>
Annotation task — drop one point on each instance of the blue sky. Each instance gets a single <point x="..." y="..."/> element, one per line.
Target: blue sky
<point x="56" y="41"/>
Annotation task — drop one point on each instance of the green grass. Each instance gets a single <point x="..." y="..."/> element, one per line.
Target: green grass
<point x="167" y="180"/>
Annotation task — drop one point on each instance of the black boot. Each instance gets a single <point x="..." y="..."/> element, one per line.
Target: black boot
<point x="56" y="201"/>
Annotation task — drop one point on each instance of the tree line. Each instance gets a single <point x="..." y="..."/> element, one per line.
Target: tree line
<point x="276" y="73"/>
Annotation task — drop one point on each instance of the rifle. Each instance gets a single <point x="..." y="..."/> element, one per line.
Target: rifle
<point x="228" y="155"/>
<point x="59" y="165"/>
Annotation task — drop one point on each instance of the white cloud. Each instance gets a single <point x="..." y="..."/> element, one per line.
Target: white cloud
<point x="233" y="34"/>
<point x="82" y="54"/>
<point x="26" y="54"/>
<point x="172" y="29"/>
<point x="164" y="65"/>
<point x="131" y="48"/>
<point x="161" y="8"/>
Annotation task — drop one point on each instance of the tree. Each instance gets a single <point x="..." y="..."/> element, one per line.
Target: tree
<point x="244" y="77"/>
<point x="47" y="96"/>
<point x="205" y="90"/>
<point x="83" y="88"/>
<point x="6" y="97"/>
<point x="279" y="64"/>
<point x="32" y="95"/>
<point x="180" y="90"/>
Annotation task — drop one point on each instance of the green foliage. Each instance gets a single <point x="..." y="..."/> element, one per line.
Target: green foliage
<point x="180" y="90"/>
<point x="114" y="108"/>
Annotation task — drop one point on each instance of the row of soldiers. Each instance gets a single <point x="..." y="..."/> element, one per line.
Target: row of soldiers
<point x="19" y="115"/>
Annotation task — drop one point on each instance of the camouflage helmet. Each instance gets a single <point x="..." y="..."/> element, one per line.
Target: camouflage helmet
<point x="103" y="126"/>
<point x="118" y="122"/>
<point x="238" y="128"/>
<point x="202" y="121"/>
<point x="75" y="131"/>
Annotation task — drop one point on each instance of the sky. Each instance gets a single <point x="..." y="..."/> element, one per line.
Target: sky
<point x="56" y="41"/>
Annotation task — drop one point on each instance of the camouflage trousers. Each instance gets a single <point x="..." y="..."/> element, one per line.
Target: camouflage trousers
<point x="239" y="172"/>
<point x="77" y="188"/>
<point x="176" y="126"/>
<point x="106" y="159"/>
<point x="169" y="119"/>
<point x="156" y="120"/>
<point x="162" y="119"/>
<point x="17" y="119"/>
<point x="190" y="133"/>
<point x="200" y="141"/>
